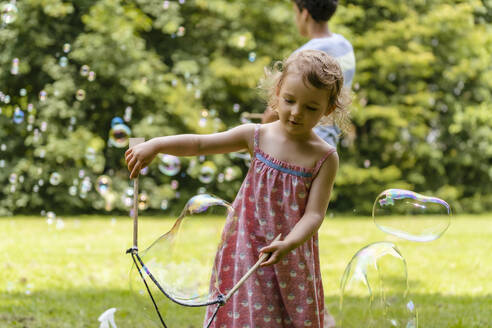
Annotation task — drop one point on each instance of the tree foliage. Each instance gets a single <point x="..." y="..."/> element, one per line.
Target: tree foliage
<point x="421" y="108"/>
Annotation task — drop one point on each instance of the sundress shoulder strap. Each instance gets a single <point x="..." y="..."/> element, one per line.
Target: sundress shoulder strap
<point x="322" y="160"/>
<point x="256" y="140"/>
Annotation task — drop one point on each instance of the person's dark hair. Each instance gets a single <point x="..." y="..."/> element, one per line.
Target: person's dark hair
<point x="320" y="10"/>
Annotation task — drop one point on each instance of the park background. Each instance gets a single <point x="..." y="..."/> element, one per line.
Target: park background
<point x="421" y="113"/>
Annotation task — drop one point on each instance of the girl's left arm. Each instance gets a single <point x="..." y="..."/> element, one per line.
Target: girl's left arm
<point x="319" y="197"/>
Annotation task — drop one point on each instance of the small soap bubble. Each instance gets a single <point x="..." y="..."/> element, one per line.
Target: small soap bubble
<point x="66" y="48"/>
<point x="13" y="178"/>
<point x="8" y="12"/>
<point x="411" y="216"/>
<point x="252" y="57"/>
<point x="207" y="172"/>
<point x="42" y="95"/>
<point x="103" y="185"/>
<point x="202" y="122"/>
<point x="86" y="185"/>
<point x="44" y="126"/>
<point x="3" y="147"/>
<point x="63" y="62"/>
<point x="164" y="204"/>
<point x="128" y="114"/>
<point x="116" y="120"/>
<point x="143" y="201"/>
<point x="84" y="70"/>
<point x="232" y="173"/>
<point x="2" y="163"/>
<point x="72" y="191"/>
<point x="165" y="4"/>
<point x="119" y="136"/>
<point x="236" y="108"/>
<point x="92" y="76"/>
<point x="174" y="184"/>
<point x="60" y="224"/>
<point x="50" y="217"/>
<point x="14" y="70"/>
<point x="18" y="116"/>
<point x="80" y="95"/>
<point x="181" y="31"/>
<point x="23" y="92"/>
<point x="169" y="165"/>
<point x="55" y="178"/>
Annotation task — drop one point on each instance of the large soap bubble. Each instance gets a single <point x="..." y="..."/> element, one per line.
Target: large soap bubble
<point x="409" y="215"/>
<point x="374" y="290"/>
<point x="182" y="260"/>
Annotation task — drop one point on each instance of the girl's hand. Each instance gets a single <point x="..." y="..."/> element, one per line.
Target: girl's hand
<point x="278" y="249"/>
<point x="139" y="156"/>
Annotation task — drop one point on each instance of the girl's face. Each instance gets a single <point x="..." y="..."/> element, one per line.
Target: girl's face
<point x="301" y="106"/>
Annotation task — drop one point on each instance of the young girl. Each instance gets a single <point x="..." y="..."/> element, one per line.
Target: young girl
<point x="286" y="192"/>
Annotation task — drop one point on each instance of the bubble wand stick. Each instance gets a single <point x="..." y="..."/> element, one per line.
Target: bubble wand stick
<point x="134" y="142"/>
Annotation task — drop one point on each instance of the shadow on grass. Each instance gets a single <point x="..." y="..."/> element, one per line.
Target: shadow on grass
<point x="77" y="308"/>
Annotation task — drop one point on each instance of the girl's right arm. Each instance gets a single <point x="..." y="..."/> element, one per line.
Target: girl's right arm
<point x="141" y="155"/>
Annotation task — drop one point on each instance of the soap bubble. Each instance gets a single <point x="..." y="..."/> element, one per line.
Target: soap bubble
<point x="8" y="12"/>
<point x="252" y="57"/>
<point x="92" y="76"/>
<point x="18" y="116"/>
<point x="55" y="178"/>
<point x="143" y="201"/>
<point x="80" y="95"/>
<point x="169" y="164"/>
<point x="411" y="216"/>
<point x="103" y="184"/>
<point x="374" y="289"/>
<point x="63" y="61"/>
<point x="182" y="260"/>
<point x="42" y="95"/>
<point x="14" y="70"/>
<point x="232" y="173"/>
<point x="119" y="136"/>
<point x="67" y="47"/>
<point x="207" y="172"/>
<point x="116" y="120"/>
<point x="84" y="70"/>
<point x="128" y="114"/>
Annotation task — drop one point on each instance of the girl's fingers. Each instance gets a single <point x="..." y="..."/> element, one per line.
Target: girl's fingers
<point x="135" y="170"/>
<point x="128" y="156"/>
<point x="271" y="260"/>
<point x="131" y="163"/>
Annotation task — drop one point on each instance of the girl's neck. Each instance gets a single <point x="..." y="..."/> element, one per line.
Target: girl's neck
<point x="297" y="138"/>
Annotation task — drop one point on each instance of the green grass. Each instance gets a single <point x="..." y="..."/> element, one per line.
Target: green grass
<point x="67" y="278"/>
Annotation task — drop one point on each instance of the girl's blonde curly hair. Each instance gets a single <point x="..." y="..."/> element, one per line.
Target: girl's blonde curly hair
<point x="319" y="70"/>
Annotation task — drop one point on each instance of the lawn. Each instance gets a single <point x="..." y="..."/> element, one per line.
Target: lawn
<point x="67" y="277"/>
